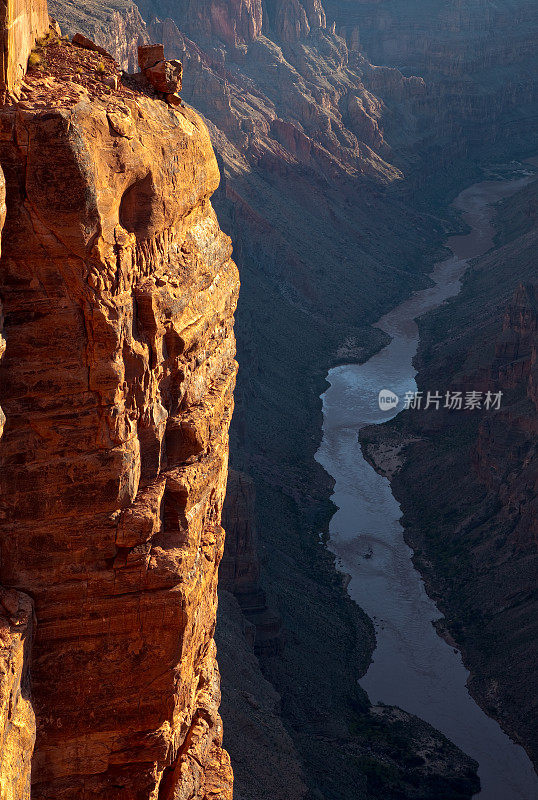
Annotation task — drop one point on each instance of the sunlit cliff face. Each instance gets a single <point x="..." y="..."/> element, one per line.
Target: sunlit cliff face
<point x="119" y="293"/>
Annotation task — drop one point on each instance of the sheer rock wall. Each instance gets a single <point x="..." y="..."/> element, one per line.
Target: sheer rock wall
<point x="118" y="293"/>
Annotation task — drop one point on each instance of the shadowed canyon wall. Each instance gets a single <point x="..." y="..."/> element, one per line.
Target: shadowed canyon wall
<point x="478" y="62"/>
<point x="115" y="25"/>
<point x="17" y="720"/>
<point x="239" y="571"/>
<point x="118" y="295"/>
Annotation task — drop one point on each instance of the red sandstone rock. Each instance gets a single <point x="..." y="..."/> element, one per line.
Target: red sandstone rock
<point x="165" y="76"/>
<point x="119" y="293"/>
<point x="173" y="99"/>
<point x="2" y="221"/>
<point x="17" y="721"/>
<point x="22" y="22"/>
<point x="87" y="44"/>
<point x="149" y="55"/>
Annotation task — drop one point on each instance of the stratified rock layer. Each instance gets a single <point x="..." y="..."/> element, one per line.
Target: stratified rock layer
<point x="21" y="23"/>
<point x="119" y="293"/>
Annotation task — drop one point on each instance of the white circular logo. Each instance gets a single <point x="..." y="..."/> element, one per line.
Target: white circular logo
<point x="387" y="400"/>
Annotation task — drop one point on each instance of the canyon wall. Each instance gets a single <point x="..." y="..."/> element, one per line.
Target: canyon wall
<point x="118" y="294"/>
<point x="17" y="720"/>
<point x="478" y="61"/>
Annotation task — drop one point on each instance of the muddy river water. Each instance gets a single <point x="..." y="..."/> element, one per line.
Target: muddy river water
<point x="412" y="666"/>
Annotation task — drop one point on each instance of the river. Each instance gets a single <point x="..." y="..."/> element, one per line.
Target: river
<point x="412" y="667"/>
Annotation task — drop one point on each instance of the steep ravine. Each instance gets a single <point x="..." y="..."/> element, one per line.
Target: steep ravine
<point x="475" y="541"/>
<point x="412" y="666"/>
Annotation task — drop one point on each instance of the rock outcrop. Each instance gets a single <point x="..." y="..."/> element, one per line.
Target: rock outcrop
<point x="164" y="76"/>
<point x="118" y="294"/>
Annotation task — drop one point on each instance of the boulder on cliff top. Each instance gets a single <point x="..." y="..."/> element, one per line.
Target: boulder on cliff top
<point x="165" y="76"/>
<point x="149" y="55"/>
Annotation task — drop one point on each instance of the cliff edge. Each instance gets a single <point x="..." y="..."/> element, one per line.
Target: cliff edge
<point x="118" y="293"/>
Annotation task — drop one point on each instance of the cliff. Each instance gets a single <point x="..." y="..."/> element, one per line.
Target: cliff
<point x="320" y="150"/>
<point x="118" y="294"/>
<point x="239" y="571"/>
<point x="305" y="129"/>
